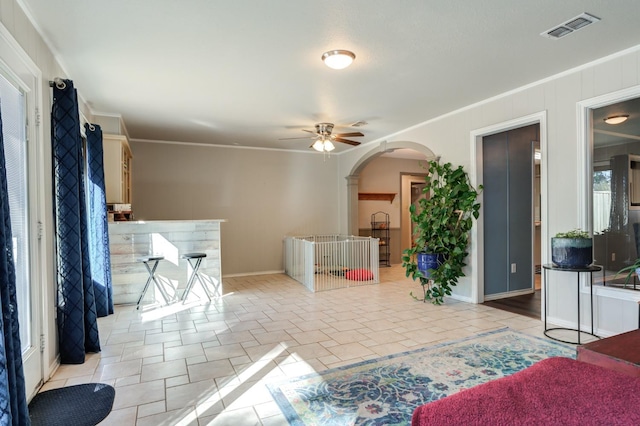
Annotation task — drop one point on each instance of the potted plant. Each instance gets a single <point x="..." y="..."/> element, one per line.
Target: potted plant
<point x="630" y="270"/>
<point x="572" y="249"/>
<point x="443" y="220"/>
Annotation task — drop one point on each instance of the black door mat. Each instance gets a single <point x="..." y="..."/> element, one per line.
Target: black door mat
<point x="79" y="405"/>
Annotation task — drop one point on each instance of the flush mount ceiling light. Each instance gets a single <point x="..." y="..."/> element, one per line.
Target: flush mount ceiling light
<point x="338" y="59"/>
<point x="616" y="119"/>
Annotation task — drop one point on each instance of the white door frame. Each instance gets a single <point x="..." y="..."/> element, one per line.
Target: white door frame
<point x="17" y="64"/>
<point x="585" y="142"/>
<point x="585" y="160"/>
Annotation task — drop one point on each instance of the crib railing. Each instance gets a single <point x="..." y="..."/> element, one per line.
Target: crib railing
<point x="326" y="262"/>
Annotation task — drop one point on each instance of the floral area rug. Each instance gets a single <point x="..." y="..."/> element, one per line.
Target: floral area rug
<point x="386" y="390"/>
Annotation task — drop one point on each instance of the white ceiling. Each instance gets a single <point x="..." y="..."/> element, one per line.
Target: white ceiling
<point x="248" y="72"/>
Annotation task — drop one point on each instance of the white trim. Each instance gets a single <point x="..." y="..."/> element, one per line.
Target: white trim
<point x="498" y="296"/>
<point x="475" y="174"/>
<point x="251" y="274"/>
<point x="612" y="292"/>
<point x="585" y="147"/>
<point x="209" y="145"/>
<point x="553" y="322"/>
<point x="585" y="155"/>
<point x="460" y="298"/>
<point x="47" y="41"/>
<point x="20" y="54"/>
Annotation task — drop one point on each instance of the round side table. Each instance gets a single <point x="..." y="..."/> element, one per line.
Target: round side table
<point x="590" y="270"/>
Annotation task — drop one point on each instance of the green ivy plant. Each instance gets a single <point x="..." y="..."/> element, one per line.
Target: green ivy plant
<point x="574" y="233"/>
<point x="629" y="270"/>
<point x="443" y="220"/>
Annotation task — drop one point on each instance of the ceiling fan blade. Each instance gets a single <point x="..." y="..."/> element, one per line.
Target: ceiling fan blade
<point x="299" y="137"/>
<point x="310" y="131"/>
<point x="350" y="142"/>
<point x="349" y="135"/>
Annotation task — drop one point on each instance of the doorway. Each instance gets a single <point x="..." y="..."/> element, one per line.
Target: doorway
<point x="411" y="191"/>
<point x="24" y="242"/>
<point x="511" y="213"/>
<point x="19" y="90"/>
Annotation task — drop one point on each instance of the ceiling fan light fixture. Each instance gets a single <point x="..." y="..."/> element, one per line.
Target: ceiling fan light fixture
<point x="328" y="146"/>
<point x="318" y="145"/>
<point x="616" y="119"/>
<point x="338" y="59"/>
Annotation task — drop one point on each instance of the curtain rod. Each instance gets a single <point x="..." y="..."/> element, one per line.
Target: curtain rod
<point x="60" y="84"/>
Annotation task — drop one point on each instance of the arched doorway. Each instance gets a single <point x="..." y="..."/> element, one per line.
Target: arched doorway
<point x="399" y="150"/>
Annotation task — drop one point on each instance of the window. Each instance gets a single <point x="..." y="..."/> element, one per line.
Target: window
<point x="13" y="108"/>
<point x="601" y="199"/>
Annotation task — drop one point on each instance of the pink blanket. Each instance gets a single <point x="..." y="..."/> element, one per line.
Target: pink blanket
<point x="555" y="391"/>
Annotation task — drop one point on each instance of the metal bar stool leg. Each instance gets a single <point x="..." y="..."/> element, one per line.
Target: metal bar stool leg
<point x="194" y="260"/>
<point x="160" y="288"/>
<point x="144" y="291"/>
<point x="192" y="277"/>
<point x="199" y="279"/>
<point x="152" y="277"/>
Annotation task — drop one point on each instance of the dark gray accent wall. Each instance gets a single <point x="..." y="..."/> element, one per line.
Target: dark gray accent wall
<point x="495" y="213"/>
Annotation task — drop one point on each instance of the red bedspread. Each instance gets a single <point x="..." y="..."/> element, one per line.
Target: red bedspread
<point x="555" y="391"/>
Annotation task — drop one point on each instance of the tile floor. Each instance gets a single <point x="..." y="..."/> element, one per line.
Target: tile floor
<point x="207" y="363"/>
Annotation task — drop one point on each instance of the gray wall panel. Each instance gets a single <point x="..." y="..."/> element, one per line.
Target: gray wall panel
<point x="508" y="210"/>
<point x="495" y="213"/>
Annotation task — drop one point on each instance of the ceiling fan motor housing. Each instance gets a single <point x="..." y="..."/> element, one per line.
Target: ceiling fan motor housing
<point x="324" y="129"/>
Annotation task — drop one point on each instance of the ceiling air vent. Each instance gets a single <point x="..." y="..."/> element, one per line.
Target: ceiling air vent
<point x="570" y="26"/>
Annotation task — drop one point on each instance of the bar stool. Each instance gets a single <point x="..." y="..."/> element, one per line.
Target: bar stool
<point x="194" y="260"/>
<point x="152" y="277"/>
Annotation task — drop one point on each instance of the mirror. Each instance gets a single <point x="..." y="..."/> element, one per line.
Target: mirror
<point x="616" y="189"/>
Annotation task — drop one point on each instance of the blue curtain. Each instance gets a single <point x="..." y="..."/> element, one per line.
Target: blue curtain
<point x="13" y="399"/>
<point x="98" y="227"/>
<point x="77" y="316"/>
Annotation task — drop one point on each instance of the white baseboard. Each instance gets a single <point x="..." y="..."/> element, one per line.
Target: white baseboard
<point x="250" y="274"/>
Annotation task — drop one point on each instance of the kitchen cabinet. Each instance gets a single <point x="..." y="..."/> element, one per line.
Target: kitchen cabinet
<point x="118" y="162"/>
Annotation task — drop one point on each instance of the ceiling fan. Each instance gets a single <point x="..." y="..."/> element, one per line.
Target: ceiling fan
<point x="324" y="138"/>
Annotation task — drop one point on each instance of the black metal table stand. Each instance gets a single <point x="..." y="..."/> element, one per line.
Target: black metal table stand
<point x="589" y="269"/>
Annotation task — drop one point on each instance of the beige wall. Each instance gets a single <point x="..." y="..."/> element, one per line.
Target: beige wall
<point x="382" y="174"/>
<point x="263" y="194"/>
